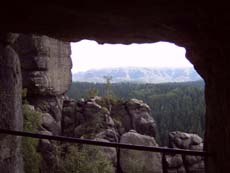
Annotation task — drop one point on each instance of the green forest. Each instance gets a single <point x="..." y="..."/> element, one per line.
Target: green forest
<point x="174" y="106"/>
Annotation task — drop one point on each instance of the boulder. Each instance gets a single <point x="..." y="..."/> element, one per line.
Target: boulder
<point x="182" y="140"/>
<point x="109" y="134"/>
<point x="174" y="161"/>
<point x="49" y="123"/>
<point x="142" y="121"/>
<point x="139" y="161"/>
<point x="121" y="117"/>
<point x="134" y="114"/>
<point x="86" y="118"/>
<point x="50" y="104"/>
<point x="109" y="152"/>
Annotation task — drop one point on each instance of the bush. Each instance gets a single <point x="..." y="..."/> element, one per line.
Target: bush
<point x="29" y="145"/>
<point x="82" y="159"/>
<point x="67" y="158"/>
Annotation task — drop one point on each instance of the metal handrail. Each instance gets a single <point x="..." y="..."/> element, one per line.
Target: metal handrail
<point x="119" y="146"/>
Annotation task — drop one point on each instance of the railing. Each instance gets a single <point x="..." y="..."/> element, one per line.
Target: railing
<point x="118" y="146"/>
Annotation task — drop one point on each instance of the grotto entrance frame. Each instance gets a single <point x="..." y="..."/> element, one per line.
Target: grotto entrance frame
<point x="118" y="146"/>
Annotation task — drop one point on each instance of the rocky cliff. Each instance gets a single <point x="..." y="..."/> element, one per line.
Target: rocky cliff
<point x="42" y="66"/>
<point x="46" y="75"/>
<point x="45" y="64"/>
<point x="128" y="122"/>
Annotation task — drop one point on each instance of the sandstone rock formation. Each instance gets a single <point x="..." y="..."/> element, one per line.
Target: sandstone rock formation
<point x="139" y="161"/>
<point x="51" y="109"/>
<point x="181" y="140"/>
<point x="134" y="114"/>
<point x="10" y="105"/>
<point x="91" y="119"/>
<point x="124" y="116"/>
<point x="88" y="119"/>
<point x="45" y="64"/>
<point x="46" y="74"/>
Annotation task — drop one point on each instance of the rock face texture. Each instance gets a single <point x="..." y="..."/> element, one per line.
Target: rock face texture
<point x="139" y="161"/>
<point x="10" y="105"/>
<point x="51" y="107"/>
<point x="128" y="122"/>
<point x="134" y="114"/>
<point x="181" y="140"/>
<point x="46" y="75"/>
<point x="91" y="119"/>
<point x="86" y="119"/>
<point x="124" y="116"/>
<point x="45" y="64"/>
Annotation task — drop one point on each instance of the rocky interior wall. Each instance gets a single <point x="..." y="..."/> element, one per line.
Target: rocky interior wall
<point x="218" y="119"/>
<point x="46" y="64"/>
<point x="46" y="76"/>
<point x="10" y="105"/>
<point x="212" y="62"/>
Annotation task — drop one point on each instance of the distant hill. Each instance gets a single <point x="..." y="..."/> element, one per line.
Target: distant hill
<point x="139" y="75"/>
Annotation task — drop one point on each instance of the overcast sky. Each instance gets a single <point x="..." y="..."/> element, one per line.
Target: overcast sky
<point x="90" y="55"/>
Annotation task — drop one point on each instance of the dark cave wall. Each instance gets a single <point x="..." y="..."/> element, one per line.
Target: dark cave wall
<point x="217" y="94"/>
<point x="212" y="61"/>
<point x="10" y="105"/>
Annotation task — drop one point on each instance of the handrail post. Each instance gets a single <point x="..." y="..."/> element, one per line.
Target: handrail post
<point x="118" y="170"/>
<point x="164" y="163"/>
<point x="185" y="164"/>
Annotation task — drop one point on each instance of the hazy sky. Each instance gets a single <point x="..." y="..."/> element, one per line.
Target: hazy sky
<point x="90" y="55"/>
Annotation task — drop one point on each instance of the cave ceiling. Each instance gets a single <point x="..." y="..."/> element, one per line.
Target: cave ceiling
<point x="202" y="27"/>
<point x="121" y="22"/>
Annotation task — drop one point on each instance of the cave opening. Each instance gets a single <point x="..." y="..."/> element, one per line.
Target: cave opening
<point x="158" y="73"/>
<point x="112" y="119"/>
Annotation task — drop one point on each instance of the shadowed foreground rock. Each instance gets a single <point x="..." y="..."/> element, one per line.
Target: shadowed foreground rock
<point x="139" y="161"/>
<point x="46" y="75"/>
<point x="10" y="105"/>
<point x="181" y="140"/>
